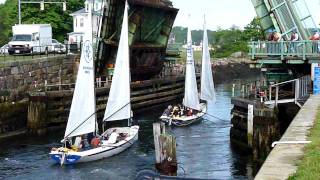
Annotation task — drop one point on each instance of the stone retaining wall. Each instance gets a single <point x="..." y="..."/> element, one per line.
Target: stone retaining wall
<point x="16" y="78"/>
<point x="13" y="116"/>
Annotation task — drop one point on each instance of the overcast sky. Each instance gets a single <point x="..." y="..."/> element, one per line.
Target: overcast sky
<point x="224" y="13"/>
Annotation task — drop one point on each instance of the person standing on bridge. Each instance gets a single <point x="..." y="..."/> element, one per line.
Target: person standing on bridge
<point x="315" y="38"/>
<point x="277" y="39"/>
<point x="270" y="39"/>
<point x="293" y="44"/>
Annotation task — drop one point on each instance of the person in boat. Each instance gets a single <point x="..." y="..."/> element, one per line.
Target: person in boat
<point x="78" y="143"/>
<point x="68" y="144"/>
<point x="168" y="111"/>
<point x="113" y="138"/>
<point x="175" y="111"/>
<point x="95" y="142"/>
<point x="189" y="112"/>
<point x="182" y="112"/>
<point x="90" y="136"/>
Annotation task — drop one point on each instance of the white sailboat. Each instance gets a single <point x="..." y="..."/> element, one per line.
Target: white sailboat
<point x="82" y="118"/>
<point x="191" y="99"/>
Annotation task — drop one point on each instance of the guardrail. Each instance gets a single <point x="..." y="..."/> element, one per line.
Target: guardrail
<point x="60" y="86"/>
<point x="272" y="95"/>
<point x="300" y="89"/>
<point x="37" y="52"/>
<point x="284" y="49"/>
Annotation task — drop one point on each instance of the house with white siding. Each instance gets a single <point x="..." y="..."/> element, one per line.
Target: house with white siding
<point x="80" y="20"/>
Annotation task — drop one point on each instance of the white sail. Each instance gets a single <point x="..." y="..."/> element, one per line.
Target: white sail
<point x="207" y="86"/>
<point x="119" y="106"/>
<point x="191" y="98"/>
<point x="82" y="118"/>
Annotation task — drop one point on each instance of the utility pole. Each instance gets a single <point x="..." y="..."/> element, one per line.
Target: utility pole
<point x="42" y="2"/>
<point x="19" y="11"/>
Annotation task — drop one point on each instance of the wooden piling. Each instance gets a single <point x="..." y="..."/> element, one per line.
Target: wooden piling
<point x="37" y="114"/>
<point x="233" y="89"/>
<point x="165" y="150"/>
<point x="250" y="125"/>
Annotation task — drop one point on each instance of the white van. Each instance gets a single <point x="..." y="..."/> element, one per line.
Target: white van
<point x="30" y="38"/>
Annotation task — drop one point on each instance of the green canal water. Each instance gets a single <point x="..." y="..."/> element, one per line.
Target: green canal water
<point x="203" y="151"/>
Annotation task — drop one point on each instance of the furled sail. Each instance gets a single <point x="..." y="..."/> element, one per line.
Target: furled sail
<point x="82" y="118"/>
<point x="119" y="106"/>
<point x="191" y="98"/>
<point x="207" y="86"/>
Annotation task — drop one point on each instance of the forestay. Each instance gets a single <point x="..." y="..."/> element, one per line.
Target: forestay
<point x="207" y="86"/>
<point x="191" y="98"/>
<point x="118" y="106"/>
<point x="82" y="118"/>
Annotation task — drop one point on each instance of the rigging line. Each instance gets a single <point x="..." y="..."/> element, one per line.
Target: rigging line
<point x="90" y="117"/>
<point x="117" y="111"/>
<point x="226" y="120"/>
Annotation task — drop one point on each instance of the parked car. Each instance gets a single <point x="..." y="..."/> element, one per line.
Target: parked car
<point x="4" y="49"/>
<point x="58" y="47"/>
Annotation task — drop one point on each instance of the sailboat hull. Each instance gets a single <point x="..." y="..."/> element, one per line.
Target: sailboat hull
<point x="104" y="151"/>
<point x="186" y="120"/>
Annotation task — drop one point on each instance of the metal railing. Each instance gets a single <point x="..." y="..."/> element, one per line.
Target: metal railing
<point x="252" y="89"/>
<point x="23" y="53"/>
<point x="284" y="49"/>
<point x="299" y="89"/>
<point x="68" y="86"/>
<point x="274" y="94"/>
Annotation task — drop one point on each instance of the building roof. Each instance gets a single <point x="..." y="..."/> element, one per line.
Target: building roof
<point x="76" y="33"/>
<point x="81" y="11"/>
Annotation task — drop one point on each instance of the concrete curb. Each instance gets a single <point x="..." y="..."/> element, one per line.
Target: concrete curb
<point x="283" y="159"/>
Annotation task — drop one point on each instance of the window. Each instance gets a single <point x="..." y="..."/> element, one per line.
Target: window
<point x="22" y="37"/>
<point x="76" y="22"/>
<point x="96" y="6"/>
<point x="87" y="7"/>
<point x="81" y="22"/>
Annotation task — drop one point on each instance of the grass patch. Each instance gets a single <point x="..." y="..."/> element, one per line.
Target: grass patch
<point x="12" y="58"/>
<point x="197" y="56"/>
<point x="309" y="167"/>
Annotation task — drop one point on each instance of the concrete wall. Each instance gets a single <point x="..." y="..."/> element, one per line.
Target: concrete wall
<point x="16" y="78"/>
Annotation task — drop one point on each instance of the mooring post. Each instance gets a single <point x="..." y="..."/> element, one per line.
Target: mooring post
<point x="250" y="125"/>
<point x="270" y="93"/>
<point x="242" y="90"/>
<point x="233" y="87"/>
<point x="60" y="80"/>
<point x="45" y="85"/>
<point x="277" y="96"/>
<point x="165" y="150"/>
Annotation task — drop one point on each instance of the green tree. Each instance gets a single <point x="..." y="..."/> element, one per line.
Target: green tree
<point x="253" y="31"/>
<point x="53" y="14"/>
